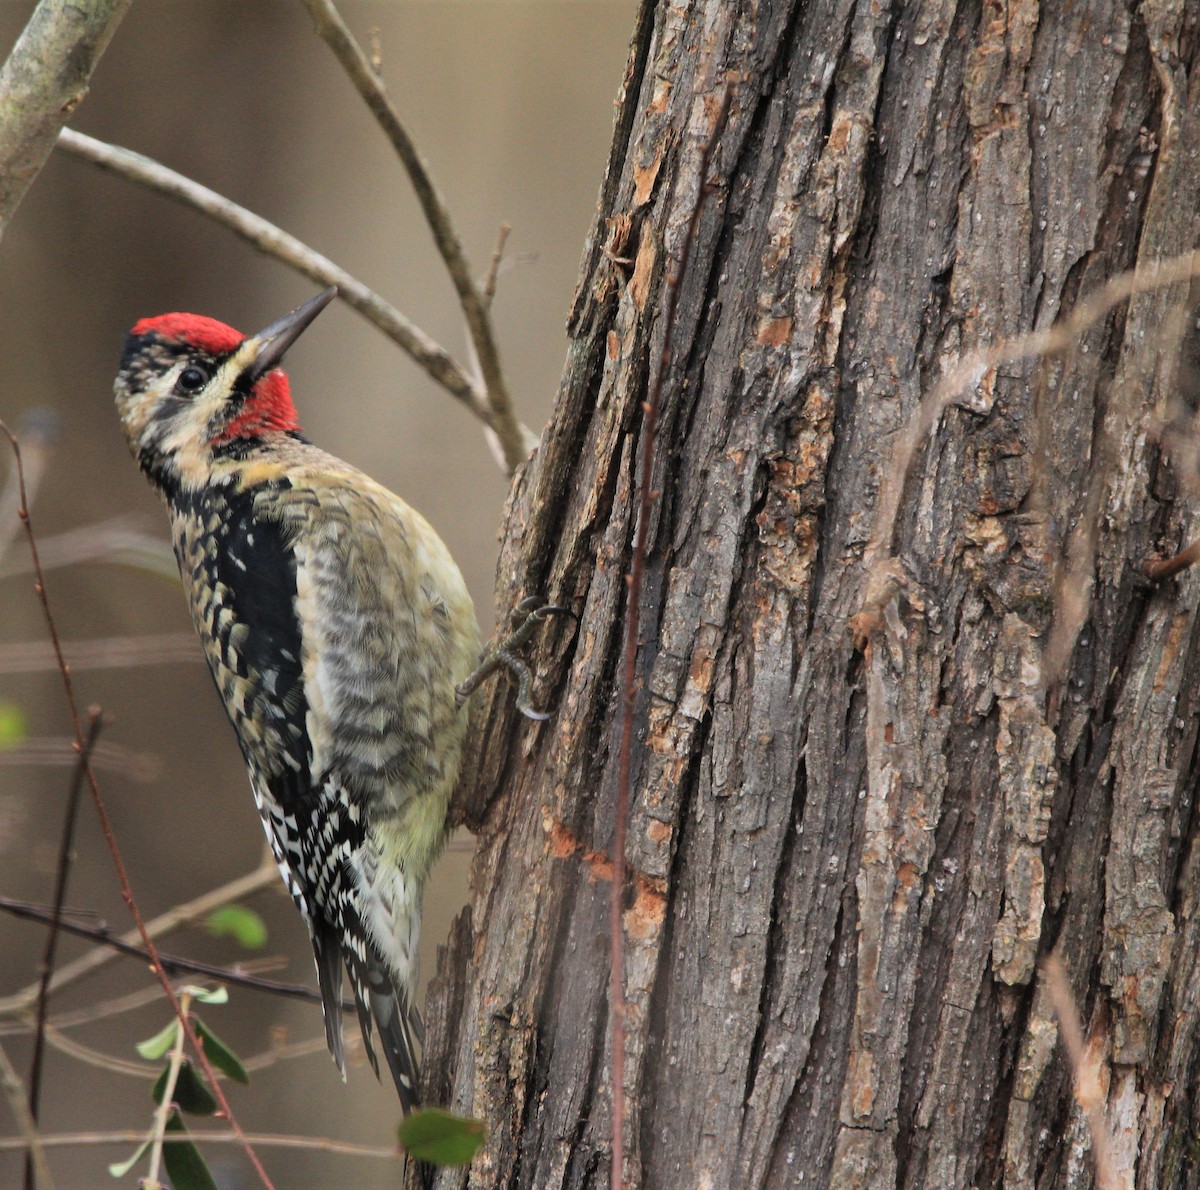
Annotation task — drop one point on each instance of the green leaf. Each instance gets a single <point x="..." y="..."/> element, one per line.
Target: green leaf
<point x="14" y="725"/>
<point x="183" y="1161"/>
<point x="119" y="1169"/>
<point x="206" y="995"/>
<point x="246" y="926"/>
<point x="218" y="1053"/>
<point x="154" y="1047"/>
<point x="440" y="1137"/>
<point x="191" y="1094"/>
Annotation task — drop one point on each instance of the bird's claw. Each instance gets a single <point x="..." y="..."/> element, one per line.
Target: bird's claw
<point x="526" y="618"/>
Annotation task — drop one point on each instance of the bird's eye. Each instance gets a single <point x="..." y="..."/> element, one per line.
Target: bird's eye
<point x="191" y="380"/>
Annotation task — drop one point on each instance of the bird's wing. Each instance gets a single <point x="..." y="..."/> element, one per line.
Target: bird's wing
<point x="372" y="670"/>
<point x="374" y="685"/>
<point x="254" y="650"/>
<point x="253" y="643"/>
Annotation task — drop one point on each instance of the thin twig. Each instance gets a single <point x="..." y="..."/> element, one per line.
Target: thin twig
<point x="104" y="652"/>
<point x="107" y="830"/>
<point x="489" y="282"/>
<point x="285" y="1052"/>
<point x="173" y="964"/>
<point x="39" y="431"/>
<point x="1159" y="569"/>
<point x="1088" y="1093"/>
<point x="116" y="540"/>
<point x="263" y="1060"/>
<point x="646" y="497"/>
<point x="265" y="236"/>
<point x="1071" y="575"/>
<point x="318" y="1144"/>
<point x="90" y="1056"/>
<point x="59" y="751"/>
<point x="99" y="1010"/>
<point x="173" y="919"/>
<point x="29" y="1139"/>
<point x="62" y="869"/>
<point x="333" y="30"/>
<point x="89" y="1013"/>
<point x="163" y="1111"/>
<point x="974" y="367"/>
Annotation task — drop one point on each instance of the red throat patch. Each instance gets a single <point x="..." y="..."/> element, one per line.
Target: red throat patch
<point x="268" y="407"/>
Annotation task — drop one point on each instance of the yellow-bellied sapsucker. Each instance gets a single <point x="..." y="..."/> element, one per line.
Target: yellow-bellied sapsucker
<point x="336" y="626"/>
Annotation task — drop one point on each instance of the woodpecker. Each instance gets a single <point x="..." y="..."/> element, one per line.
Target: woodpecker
<point x="337" y="628"/>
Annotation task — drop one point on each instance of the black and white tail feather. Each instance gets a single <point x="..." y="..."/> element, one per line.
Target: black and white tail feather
<point x="381" y="1006"/>
<point x="317" y="878"/>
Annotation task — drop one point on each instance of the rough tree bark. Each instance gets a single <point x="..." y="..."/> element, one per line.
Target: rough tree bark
<point x="850" y="848"/>
<point x="43" y="81"/>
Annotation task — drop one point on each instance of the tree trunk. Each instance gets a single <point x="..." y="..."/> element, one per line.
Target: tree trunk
<point x="878" y="774"/>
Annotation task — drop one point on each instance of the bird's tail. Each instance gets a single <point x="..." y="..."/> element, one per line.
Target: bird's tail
<point x="399" y="1024"/>
<point x="328" y="953"/>
<point x="380" y="1005"/>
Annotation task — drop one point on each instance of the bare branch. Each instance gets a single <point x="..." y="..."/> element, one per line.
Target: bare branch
<point x="266" y="875"/>
<point x="1088" y="1094"/>
<point x="61" y="751"/>
<point x="105" y="652"/>
<point x="114" y="540"/>
<point x="163" y="1112"/>
<point x="39" y="431"/>
<point x="268" y="238"/>
<point x="489" y="282"/>
<point x="971" y="370"/>
<point x="57" y="1039"/>
<point x="331" y="27"/>
<point x="317" y="1144"/>
<point x="93" y="1057"/>
<point x="284" y="1052"/>
<point x="107" y="830"/>
<point x="43" y="82"/>
<point x="14" y="1092"/>
<point x="88" y="1013"/>
<point x="173" y="964"/>
<point x="1158" y="569"/>
<point x="63" y="867"/>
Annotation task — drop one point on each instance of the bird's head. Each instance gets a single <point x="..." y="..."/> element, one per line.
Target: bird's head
<point x="190" y="389"/>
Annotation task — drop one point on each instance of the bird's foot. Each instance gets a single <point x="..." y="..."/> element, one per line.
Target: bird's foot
<point x="526" y="618"/>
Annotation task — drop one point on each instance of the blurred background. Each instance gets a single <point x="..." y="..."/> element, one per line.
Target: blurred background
<point x="511" y="103"/>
